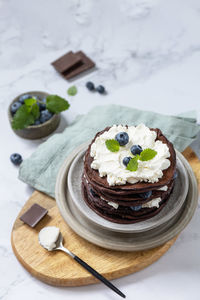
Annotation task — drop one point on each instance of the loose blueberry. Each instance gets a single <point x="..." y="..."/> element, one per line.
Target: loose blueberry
<point x="93" y="193"/>
<point x="16" y="159"/>
<point x="145" y="195"/>
<point x="37" y="122"/>
<point x="24" y="97"/>
<point x="126" y="160"/>
<point x="136" y="208"/>
<point x="136" y="149"/>
<point x="122" y="138"/>
<point x="90" y="86"/>
<point x="15" y="106"/>
<point x="100" y="89"/>
<point x="175" y="175"/>
<point x="45" y="115"/>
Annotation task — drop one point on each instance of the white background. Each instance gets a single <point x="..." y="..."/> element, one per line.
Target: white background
<point x="148" y="56"/>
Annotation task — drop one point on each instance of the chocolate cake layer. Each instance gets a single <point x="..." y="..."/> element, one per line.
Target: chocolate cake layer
<point x="125" y="198"/>
<point x="94" y="196"/>
<point x="124" y="203"/>
<point x="122" y="215"/>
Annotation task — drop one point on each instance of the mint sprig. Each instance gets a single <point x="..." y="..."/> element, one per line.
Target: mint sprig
<point x="72" y="91"/>
<point x="145" y="155"/>
<point x="23" y="118"/>
<point x="29" y="111"/>
<point x="56" y="104"/>
<point x="133" y="164"/>
<point x="112" y="145"/>
<point x="30" y="101"/>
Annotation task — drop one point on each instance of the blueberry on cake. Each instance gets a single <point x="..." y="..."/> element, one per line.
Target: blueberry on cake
<point x="129" y="173"/>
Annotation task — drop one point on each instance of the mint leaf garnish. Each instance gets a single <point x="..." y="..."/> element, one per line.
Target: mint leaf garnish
<point x="147" y="154"/>
<point x="133" y="164"/>
<point x="33" y="108"/>
<point x="112" y="145"/>
<point x="56" y="104"/>
<point x="72" y="91"/>
<point x="30" y="101"/>
<point x="35" y="111"/>
<point x="22" y="118"/>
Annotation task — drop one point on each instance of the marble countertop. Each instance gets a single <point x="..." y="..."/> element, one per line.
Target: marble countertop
<point x="148" y="56"/>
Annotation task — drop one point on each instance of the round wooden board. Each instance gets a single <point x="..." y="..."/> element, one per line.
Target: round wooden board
<point x="56" y="268"/>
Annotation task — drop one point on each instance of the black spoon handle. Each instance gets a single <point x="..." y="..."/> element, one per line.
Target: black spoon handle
<point x="99" y="276"/>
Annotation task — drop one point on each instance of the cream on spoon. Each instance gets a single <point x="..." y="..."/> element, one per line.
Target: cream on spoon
<point x="48" y="237"/>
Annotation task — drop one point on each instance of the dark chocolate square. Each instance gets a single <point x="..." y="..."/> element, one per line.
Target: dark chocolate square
<point x="33" y="215"/>
<point x="66" y="62"/>
<point x="87" y="64"/>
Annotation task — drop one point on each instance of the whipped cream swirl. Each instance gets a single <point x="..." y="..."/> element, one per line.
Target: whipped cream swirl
<point x="110" y="164"/>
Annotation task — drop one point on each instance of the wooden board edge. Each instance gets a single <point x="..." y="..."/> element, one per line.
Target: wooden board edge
<point x="88" y="280"/>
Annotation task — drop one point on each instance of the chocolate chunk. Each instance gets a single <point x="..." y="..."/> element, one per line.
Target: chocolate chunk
<point x="73" y="64"/>
<point x="33" y="215"/>
<point x="87" y="64"/>
<point x="66" y="62"/>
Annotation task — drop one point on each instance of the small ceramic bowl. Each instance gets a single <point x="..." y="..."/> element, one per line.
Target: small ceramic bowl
<point x="36" y="131"/>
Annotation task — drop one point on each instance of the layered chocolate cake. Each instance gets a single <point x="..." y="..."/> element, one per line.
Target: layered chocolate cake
<point x="129" y="173"/>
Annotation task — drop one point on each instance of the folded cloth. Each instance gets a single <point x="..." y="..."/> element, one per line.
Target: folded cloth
<point x="40" y="170"/>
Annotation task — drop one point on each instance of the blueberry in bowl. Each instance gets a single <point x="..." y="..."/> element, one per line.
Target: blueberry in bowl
<point x="42" y="104"/>
<point x="37" y="122"/>
<point x="45" y="115"/>
<point x="15" y="106"/>
<point x="23" y="97"/>
<point x="36" y="114"/>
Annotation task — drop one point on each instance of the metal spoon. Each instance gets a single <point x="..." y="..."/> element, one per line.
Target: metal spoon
<point x="59" y="246"/>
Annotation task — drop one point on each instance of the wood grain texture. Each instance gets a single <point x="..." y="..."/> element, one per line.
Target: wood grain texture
<point x="56" y="268"/>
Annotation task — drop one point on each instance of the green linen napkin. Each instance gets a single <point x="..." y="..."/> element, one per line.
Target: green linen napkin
<point x="40" y="170"/>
